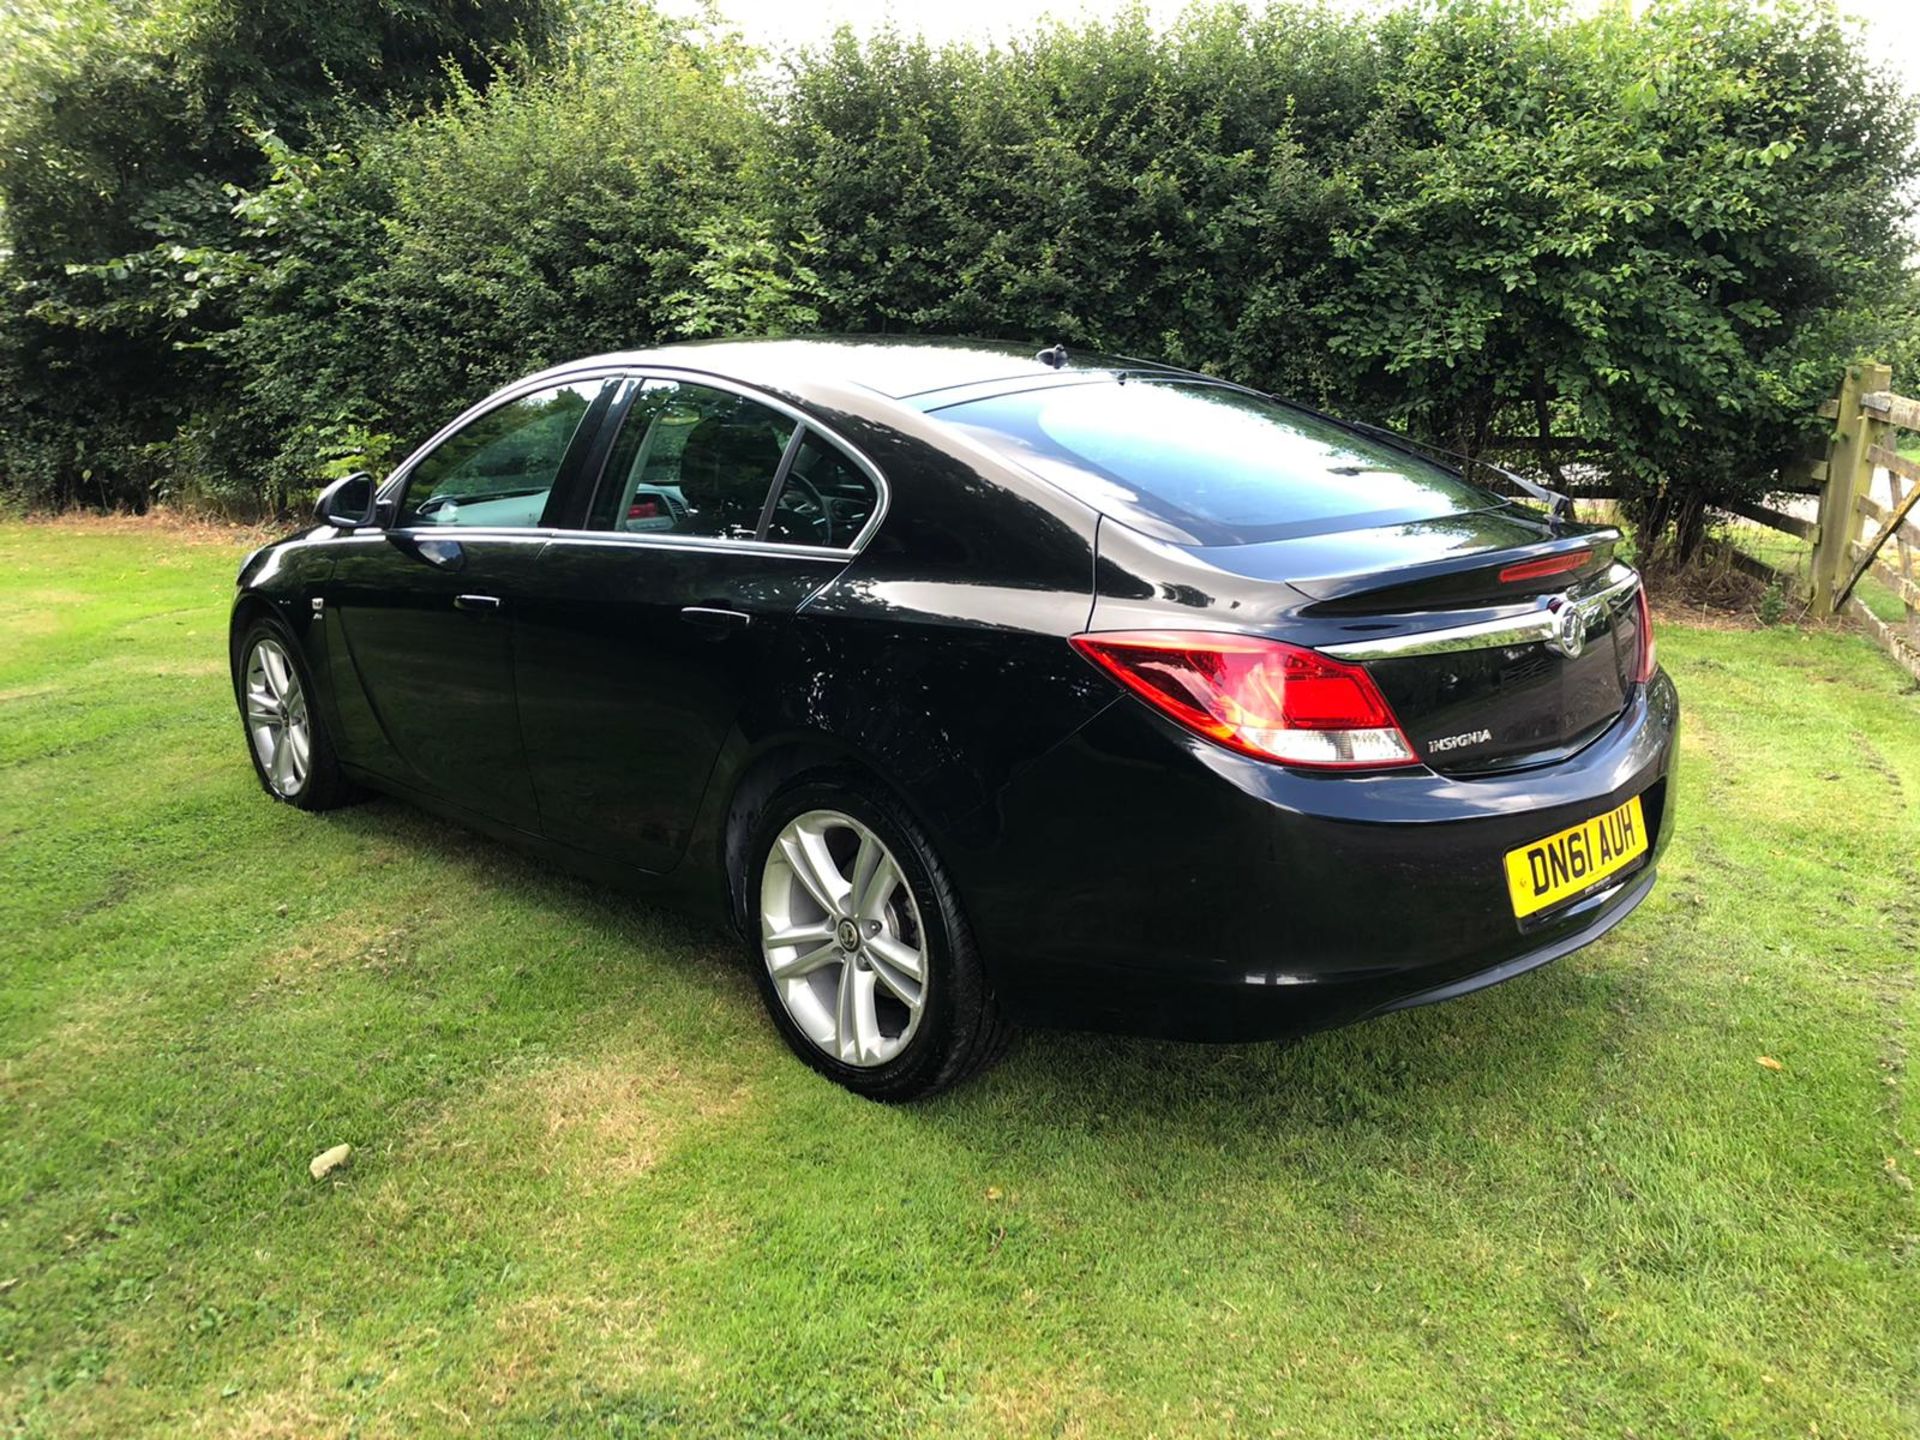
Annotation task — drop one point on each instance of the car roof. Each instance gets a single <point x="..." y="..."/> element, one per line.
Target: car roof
<point x="896" y="366"/>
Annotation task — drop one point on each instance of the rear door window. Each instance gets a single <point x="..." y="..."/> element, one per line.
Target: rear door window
<point x="1210" y="464"/>
<point x="691" y="460"/>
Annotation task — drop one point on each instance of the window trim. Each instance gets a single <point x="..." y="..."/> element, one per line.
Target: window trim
<point x="394" y="486"/>
<point x="779" y="483"/>
<point x="803" y="424"/>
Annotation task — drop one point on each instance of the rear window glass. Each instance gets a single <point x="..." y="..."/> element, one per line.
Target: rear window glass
<point x="1216" y="465"/>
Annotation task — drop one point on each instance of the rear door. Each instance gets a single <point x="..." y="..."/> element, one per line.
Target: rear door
<point x="717" y="513"/>
<point x="424" y="608"/>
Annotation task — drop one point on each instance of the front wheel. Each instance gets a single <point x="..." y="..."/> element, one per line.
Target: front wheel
<point x="287" y="739"/>
<point x="867" y="965"/>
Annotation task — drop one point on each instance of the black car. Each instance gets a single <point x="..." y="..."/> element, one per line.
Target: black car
<point x="980" y="687"/>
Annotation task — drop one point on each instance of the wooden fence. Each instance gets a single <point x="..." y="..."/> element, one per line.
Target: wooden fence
<point x="1860" y="536"/>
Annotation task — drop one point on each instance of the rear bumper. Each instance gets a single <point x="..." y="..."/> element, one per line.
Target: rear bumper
<point x="1221" y="898"/>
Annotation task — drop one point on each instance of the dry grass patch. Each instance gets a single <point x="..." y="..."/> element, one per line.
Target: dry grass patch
<point x="617" y="1118"/>
<point x="606" y="1340"/>
<point x="591" y="1124"/>
<point x="1065" y="1402"/>
<point x="287" y="1416"/>
<point x="172" y="526"/>
<point x="364" y="942"/>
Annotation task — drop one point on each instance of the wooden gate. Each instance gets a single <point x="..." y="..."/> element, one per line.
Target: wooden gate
<point x="1862" y="538"/>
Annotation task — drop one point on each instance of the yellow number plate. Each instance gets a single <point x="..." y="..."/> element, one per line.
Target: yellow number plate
<point x="1550" y="870"/>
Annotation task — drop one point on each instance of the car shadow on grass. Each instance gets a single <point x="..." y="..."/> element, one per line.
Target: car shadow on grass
<point x="1492" y="1048"/>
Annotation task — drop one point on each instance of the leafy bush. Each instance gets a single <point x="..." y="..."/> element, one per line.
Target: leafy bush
<point x="1632" y="231"/>
<point x="1658" y="237"/>
<point x="515" y="226"/>
<point x="1664" y="236"/>
<point x="1099" y="185"/>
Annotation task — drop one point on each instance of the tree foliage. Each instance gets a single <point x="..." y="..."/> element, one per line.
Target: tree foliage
<point x="124" y="125"/>
<point x="389" y="284"/>
<point x="1658" y="236"/>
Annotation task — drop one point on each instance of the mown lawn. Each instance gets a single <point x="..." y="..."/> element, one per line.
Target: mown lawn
<point x="591" y="1193"/>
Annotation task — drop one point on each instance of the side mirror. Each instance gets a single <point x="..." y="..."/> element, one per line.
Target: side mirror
<point x="347" y="503"/>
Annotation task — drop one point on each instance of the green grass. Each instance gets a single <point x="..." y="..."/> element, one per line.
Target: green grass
<point x="591" y="1193"/>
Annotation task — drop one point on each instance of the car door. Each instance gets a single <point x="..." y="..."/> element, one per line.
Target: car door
<point x="424" y="607"/>
<point x="717" y="513"/>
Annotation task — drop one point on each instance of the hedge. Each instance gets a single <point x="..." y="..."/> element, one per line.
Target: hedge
<point x="1655" y="239"/>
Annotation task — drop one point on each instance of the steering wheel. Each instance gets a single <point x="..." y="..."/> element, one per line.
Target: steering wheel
<point x="800" y="499"/>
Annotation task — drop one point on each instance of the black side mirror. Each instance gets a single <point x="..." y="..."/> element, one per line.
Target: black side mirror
<point x="347" y="503"/>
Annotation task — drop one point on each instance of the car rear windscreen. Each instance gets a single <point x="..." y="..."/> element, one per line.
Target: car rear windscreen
<point x="1210" y="464"/>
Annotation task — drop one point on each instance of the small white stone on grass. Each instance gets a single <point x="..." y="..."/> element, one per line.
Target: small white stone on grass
<point x="328" y="1161"/>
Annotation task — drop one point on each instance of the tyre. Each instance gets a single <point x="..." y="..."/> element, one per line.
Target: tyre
<point x="287" y="738"/>
<point x="867" y="965"/>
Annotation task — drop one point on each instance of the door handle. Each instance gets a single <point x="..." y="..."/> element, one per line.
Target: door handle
<point x="477" y="602"/>
<point x="715" y="618"/>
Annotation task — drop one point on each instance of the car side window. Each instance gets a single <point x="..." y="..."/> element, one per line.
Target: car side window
<point x="691" y="460"/>
<point x="825" y="499"/>
<point x="499" y="469"/>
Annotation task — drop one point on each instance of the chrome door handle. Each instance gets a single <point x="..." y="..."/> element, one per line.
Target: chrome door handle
<point x="715" y="617"/>
<point x="477" y="602"/>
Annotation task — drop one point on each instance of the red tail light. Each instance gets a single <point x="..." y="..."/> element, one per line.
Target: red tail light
<point x="1260" y="697"/>
<point x="1548" y="565"/>
<point x="1643" y="672"/>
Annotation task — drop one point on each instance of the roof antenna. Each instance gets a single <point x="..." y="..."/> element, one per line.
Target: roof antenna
<point x="1055" y="355"/>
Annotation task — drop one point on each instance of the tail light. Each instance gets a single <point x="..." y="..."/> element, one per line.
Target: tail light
<point x="1547" y="565"/>
<point x="1643" y="672"/>
<point x="1260" y="697"/>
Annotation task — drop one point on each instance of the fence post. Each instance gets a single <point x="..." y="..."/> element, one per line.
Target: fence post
<point x="1849" y="475"/>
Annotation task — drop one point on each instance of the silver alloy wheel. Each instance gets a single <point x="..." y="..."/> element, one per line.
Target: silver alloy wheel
<point x="277" y="717"/>
<point x="842" y="938"/>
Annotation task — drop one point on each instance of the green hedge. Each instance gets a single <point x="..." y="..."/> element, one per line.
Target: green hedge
<point x="1661" y="237"/>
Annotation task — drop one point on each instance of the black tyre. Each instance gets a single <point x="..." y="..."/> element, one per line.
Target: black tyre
<point x="287" y="737"/>
<point x="865" y="959"/>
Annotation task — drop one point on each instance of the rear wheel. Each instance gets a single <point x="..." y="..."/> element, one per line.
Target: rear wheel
<point x="286" y="737"/>
<point x="867" y="965"/>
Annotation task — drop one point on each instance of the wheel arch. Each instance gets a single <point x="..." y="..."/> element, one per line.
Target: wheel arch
<point x="248" y="607"/>
<point x="763" y="775"/>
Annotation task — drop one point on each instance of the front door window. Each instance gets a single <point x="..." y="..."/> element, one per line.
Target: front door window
<point x="498" y="469"/>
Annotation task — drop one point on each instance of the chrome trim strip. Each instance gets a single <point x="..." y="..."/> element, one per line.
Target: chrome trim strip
<point x="669" y="541"/>
<point x="1482" y="635"/>
<point x="1540" y="625"/>
<point x="639" y="540"/>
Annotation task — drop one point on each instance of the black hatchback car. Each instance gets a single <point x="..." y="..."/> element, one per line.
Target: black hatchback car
<point x="979" y="687"/>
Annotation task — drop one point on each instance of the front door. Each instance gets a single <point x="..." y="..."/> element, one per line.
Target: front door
<point x="425" y="608"/>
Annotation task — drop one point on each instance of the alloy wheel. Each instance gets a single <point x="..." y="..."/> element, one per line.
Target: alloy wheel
<point x="277" y="718"/>
<point x="841" y="935"/>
